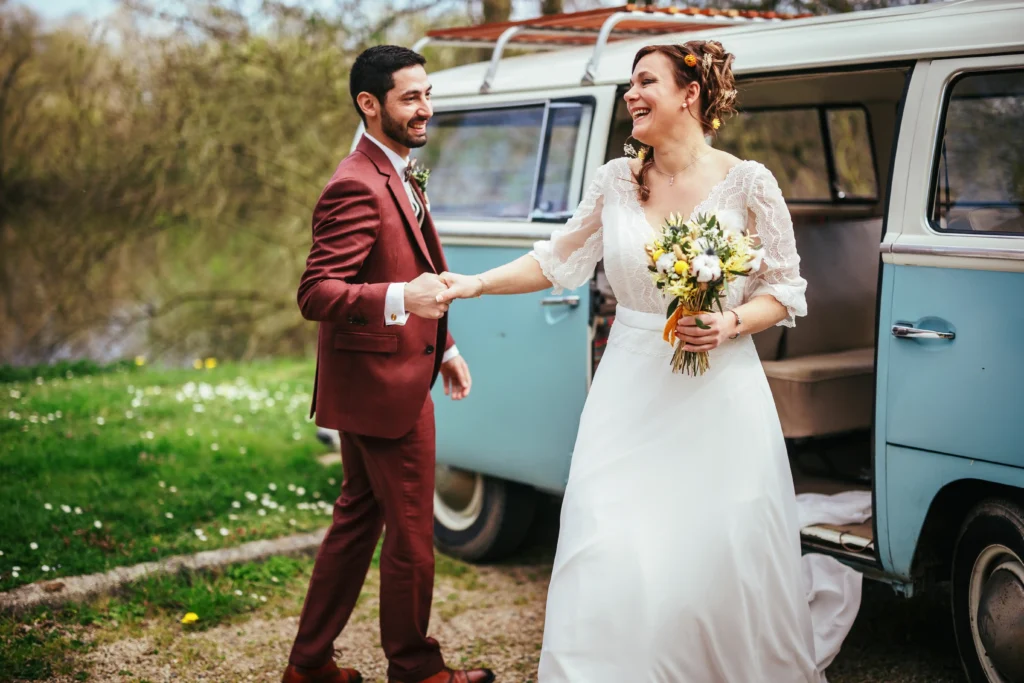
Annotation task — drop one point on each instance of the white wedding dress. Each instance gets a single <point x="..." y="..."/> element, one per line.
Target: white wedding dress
<point x="678" y="558"/>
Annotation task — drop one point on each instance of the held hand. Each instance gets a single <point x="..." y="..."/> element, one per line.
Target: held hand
<point x="460" y="287"/>
<point x="719" y="328"/>
<point x="456" y="378"/>
<point x="421" y="297"/>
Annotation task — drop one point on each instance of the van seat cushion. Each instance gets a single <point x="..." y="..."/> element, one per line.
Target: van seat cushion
<point x="825" y="393"/>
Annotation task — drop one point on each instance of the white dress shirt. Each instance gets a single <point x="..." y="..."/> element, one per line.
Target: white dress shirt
<point x="394" y="299"/>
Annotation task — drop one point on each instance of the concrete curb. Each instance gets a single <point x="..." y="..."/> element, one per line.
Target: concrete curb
<point x="79" y="588"/>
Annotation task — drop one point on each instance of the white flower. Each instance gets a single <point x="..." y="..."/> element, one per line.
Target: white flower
<point x="33" y="545"/>
<point x="731" y="221"/>
<point x="331" y="481"/>
<point x="272" y="486"/>
<point x="100" y="421"/>
<point x="39" y="381"/>
<point x="250" y="495"/>
<point x="238" y="419"/>
<point x="292" y="522"/>
<point x="261" y="512"/>
<point x="47" y="506"/>
<point x="15" y="393"/>
<point x="232" y="517"/>
<point x="59" y="414"/>
<point x="224" y="532"/>
<point x="235" y="504"/>
<point x="254" y="596"/>
<point x="666" y="262"/>
<point x="300" y="491"/>
<point x="128" y="414"/>
<point x="66" y="508"/>
<point x="214" y="447"/>
<point x="296" y="436"/>
<point x="149" y="435"/>
<point x="198" y="407"/>
<point x="274" y="579"/>
<point x="199" y="532"/>
<point x="45" y="568"/>
<point x="163" y="485"/>
<point x="291" y="487"/>
<point x="263" y="598"/>
<point x="238" y="593"/>
<point x="190" y="431"/>
<point x="98" y="524"/>
<point x="173" y="489"/>
<point x="15" y="574"/>
<point x="755" y="262"/>
<point x="706" y="268"/>
<point x="78" y="510"/>
<point x="169" y="515"/>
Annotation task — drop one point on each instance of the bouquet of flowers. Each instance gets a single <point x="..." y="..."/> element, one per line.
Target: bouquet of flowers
<point x="693" y="262"/>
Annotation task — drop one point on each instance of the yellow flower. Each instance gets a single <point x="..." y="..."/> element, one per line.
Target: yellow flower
<point x="197" y="364"/>
<point x="681" y="267"/>
<point x="690" y="61"/>
<point x="642" y="154"/>
<point x="190" y="618"/>
<point x="140" y="360"/>
<point x="657" y="255"/>
<point x="715" y="123"/>
<point x="211" y="363"/>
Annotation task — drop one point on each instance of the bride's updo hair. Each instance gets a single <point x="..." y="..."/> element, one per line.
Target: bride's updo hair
<point x="706" y="63"/>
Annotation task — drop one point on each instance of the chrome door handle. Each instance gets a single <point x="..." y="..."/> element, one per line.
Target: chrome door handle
<point x="572" y="301"/>
<point x="907" y="332"/>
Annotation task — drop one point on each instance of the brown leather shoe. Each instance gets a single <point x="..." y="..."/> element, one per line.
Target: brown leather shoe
<point x="328" y="673"/>
<point x="449" y="676"/>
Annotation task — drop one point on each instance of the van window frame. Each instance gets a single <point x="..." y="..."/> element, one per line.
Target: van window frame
<point x="933" y="182"/>
<point x="541" y="159"/>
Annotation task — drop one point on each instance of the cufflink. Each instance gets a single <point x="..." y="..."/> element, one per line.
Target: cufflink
<point x="394" y="316"/>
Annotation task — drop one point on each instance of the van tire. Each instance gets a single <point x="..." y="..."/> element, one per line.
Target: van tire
<point x="501" y="517"/>
<point x="987" y="589"/>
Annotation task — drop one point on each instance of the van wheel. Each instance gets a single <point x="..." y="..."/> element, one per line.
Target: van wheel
<point x="988" y="593"/>
<point x="480" y="518"/>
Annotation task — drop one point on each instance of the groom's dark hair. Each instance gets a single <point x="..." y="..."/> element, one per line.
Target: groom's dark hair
<point x="373" y="71"/>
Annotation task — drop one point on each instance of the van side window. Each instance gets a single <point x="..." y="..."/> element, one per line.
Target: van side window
<point x="507" y="163"/>
<point x="978" y="178"/>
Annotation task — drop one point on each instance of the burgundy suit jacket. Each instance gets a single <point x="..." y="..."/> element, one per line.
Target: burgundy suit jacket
<point x="371" y="378"/>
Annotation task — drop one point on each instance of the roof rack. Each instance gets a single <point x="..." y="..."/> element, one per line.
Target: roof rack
<point x="592" y="27"/>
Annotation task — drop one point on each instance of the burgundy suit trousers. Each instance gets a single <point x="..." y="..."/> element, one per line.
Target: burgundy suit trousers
<point x="387" y="483"/>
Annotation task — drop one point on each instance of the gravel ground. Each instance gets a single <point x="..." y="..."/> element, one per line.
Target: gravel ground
<point x="494" y="616"/>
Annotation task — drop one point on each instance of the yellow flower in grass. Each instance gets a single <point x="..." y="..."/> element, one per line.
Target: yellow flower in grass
<point x="140" y="360"/>
<point x="210" y="363"/>
<point x="190" y="618"/>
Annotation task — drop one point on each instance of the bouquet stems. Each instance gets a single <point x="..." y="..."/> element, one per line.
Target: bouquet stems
<point x="693" y="363"/>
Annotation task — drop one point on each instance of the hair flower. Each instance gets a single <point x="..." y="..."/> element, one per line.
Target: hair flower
<point x="715" y="123"/>
<point x="690" y="61"/>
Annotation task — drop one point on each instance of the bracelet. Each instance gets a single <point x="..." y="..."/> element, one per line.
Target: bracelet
<point x="483" y="284"/>
<point x="739" y="321"/>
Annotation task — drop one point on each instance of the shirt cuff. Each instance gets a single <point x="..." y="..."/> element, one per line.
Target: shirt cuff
<point x="394" y="305"/>
<point x="452" y="352"/>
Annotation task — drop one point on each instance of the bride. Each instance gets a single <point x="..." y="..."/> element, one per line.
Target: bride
<point x="678" y="557"/>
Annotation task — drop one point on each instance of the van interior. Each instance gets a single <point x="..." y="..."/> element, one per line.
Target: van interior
<point x="828" y="138"/>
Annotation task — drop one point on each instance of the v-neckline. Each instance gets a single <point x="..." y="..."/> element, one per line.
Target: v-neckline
<point x="698" y="205"/>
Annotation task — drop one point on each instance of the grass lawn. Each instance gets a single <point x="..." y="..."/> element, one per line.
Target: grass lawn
<point x="122" y="467"/>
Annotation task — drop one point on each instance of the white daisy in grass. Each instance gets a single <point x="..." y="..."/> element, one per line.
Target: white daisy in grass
<point x="15" y="394"/>
<point x="300" y="491"/>
<point x="129" y="414"/>
<point x="261" y="512"/>
<point x="149" y="435"/>
<point x="100" y="421"/>
<point x="292" y="522"/>
<point x="332" y="481"/>
<point x="263" y="598"/>
<point x="316" y="494"/>
<point x="238" y="593"/>
<point x="233" y="517"/>
<point x="59" y="414"/>
<point x="66" y="508"/>
<point x="33" y="545"/>
<point x="45" y="567"/>
<point x="214" y="447"/>
<point x="169" y="515"/>
<point x="235" y="504"/>
<point x="291" y="487"/>
<point x="78" y="510"/>
<point x="224" y="532"/>
<point x="14" y="574"/>
<point x="98" y="524"/>
<point x="249" y="495"/>
<point x="173" y="489"/>
<point x="274" y="579"/>
<point x="272" y="486"/>
<point x="47" y="506"/>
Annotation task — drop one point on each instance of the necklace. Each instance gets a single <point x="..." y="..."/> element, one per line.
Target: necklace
<point x="672" y="178"/>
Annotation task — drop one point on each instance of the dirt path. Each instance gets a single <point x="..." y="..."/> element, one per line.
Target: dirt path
<point x="492" y="617"/>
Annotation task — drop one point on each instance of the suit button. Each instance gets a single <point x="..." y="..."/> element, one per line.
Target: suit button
<point x="429" y="349"/>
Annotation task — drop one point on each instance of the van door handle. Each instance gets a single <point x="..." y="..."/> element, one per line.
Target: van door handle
<point x="572" y="301"/>
<point x="907" y="332"/>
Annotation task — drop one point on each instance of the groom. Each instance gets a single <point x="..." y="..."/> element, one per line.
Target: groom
<point x="371" y="281"/>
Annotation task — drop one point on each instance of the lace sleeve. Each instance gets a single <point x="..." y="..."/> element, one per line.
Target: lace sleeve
<point x="569" y="257"/>
<point x="779" y="275"/>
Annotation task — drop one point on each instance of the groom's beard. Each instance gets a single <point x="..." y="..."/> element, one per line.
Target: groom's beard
<point x="399" y="132"/>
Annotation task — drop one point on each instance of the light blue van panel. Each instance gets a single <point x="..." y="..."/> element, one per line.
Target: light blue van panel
<point x="529" y="369"/>
<point x="881" y="406"/>
<point x="960" y="396"/>
<point x="914" y="479"/>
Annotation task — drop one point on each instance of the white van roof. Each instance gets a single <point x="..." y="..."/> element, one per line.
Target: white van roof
<point x="962" y="27"/>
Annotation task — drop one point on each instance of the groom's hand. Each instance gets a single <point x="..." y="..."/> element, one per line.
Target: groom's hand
<point x="422" y="297"/>
<point x="460" y="287"/>
<point x="456" y="378"/>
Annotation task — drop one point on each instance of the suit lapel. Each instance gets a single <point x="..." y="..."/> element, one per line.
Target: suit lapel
<point x="430" y="231"/>
<point x="385" y="167"/>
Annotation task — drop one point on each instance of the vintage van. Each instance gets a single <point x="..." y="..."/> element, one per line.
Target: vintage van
<point x="897" y="137"/>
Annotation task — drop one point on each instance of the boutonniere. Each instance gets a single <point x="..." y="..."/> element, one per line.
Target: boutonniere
<point x="417" y="173"/>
